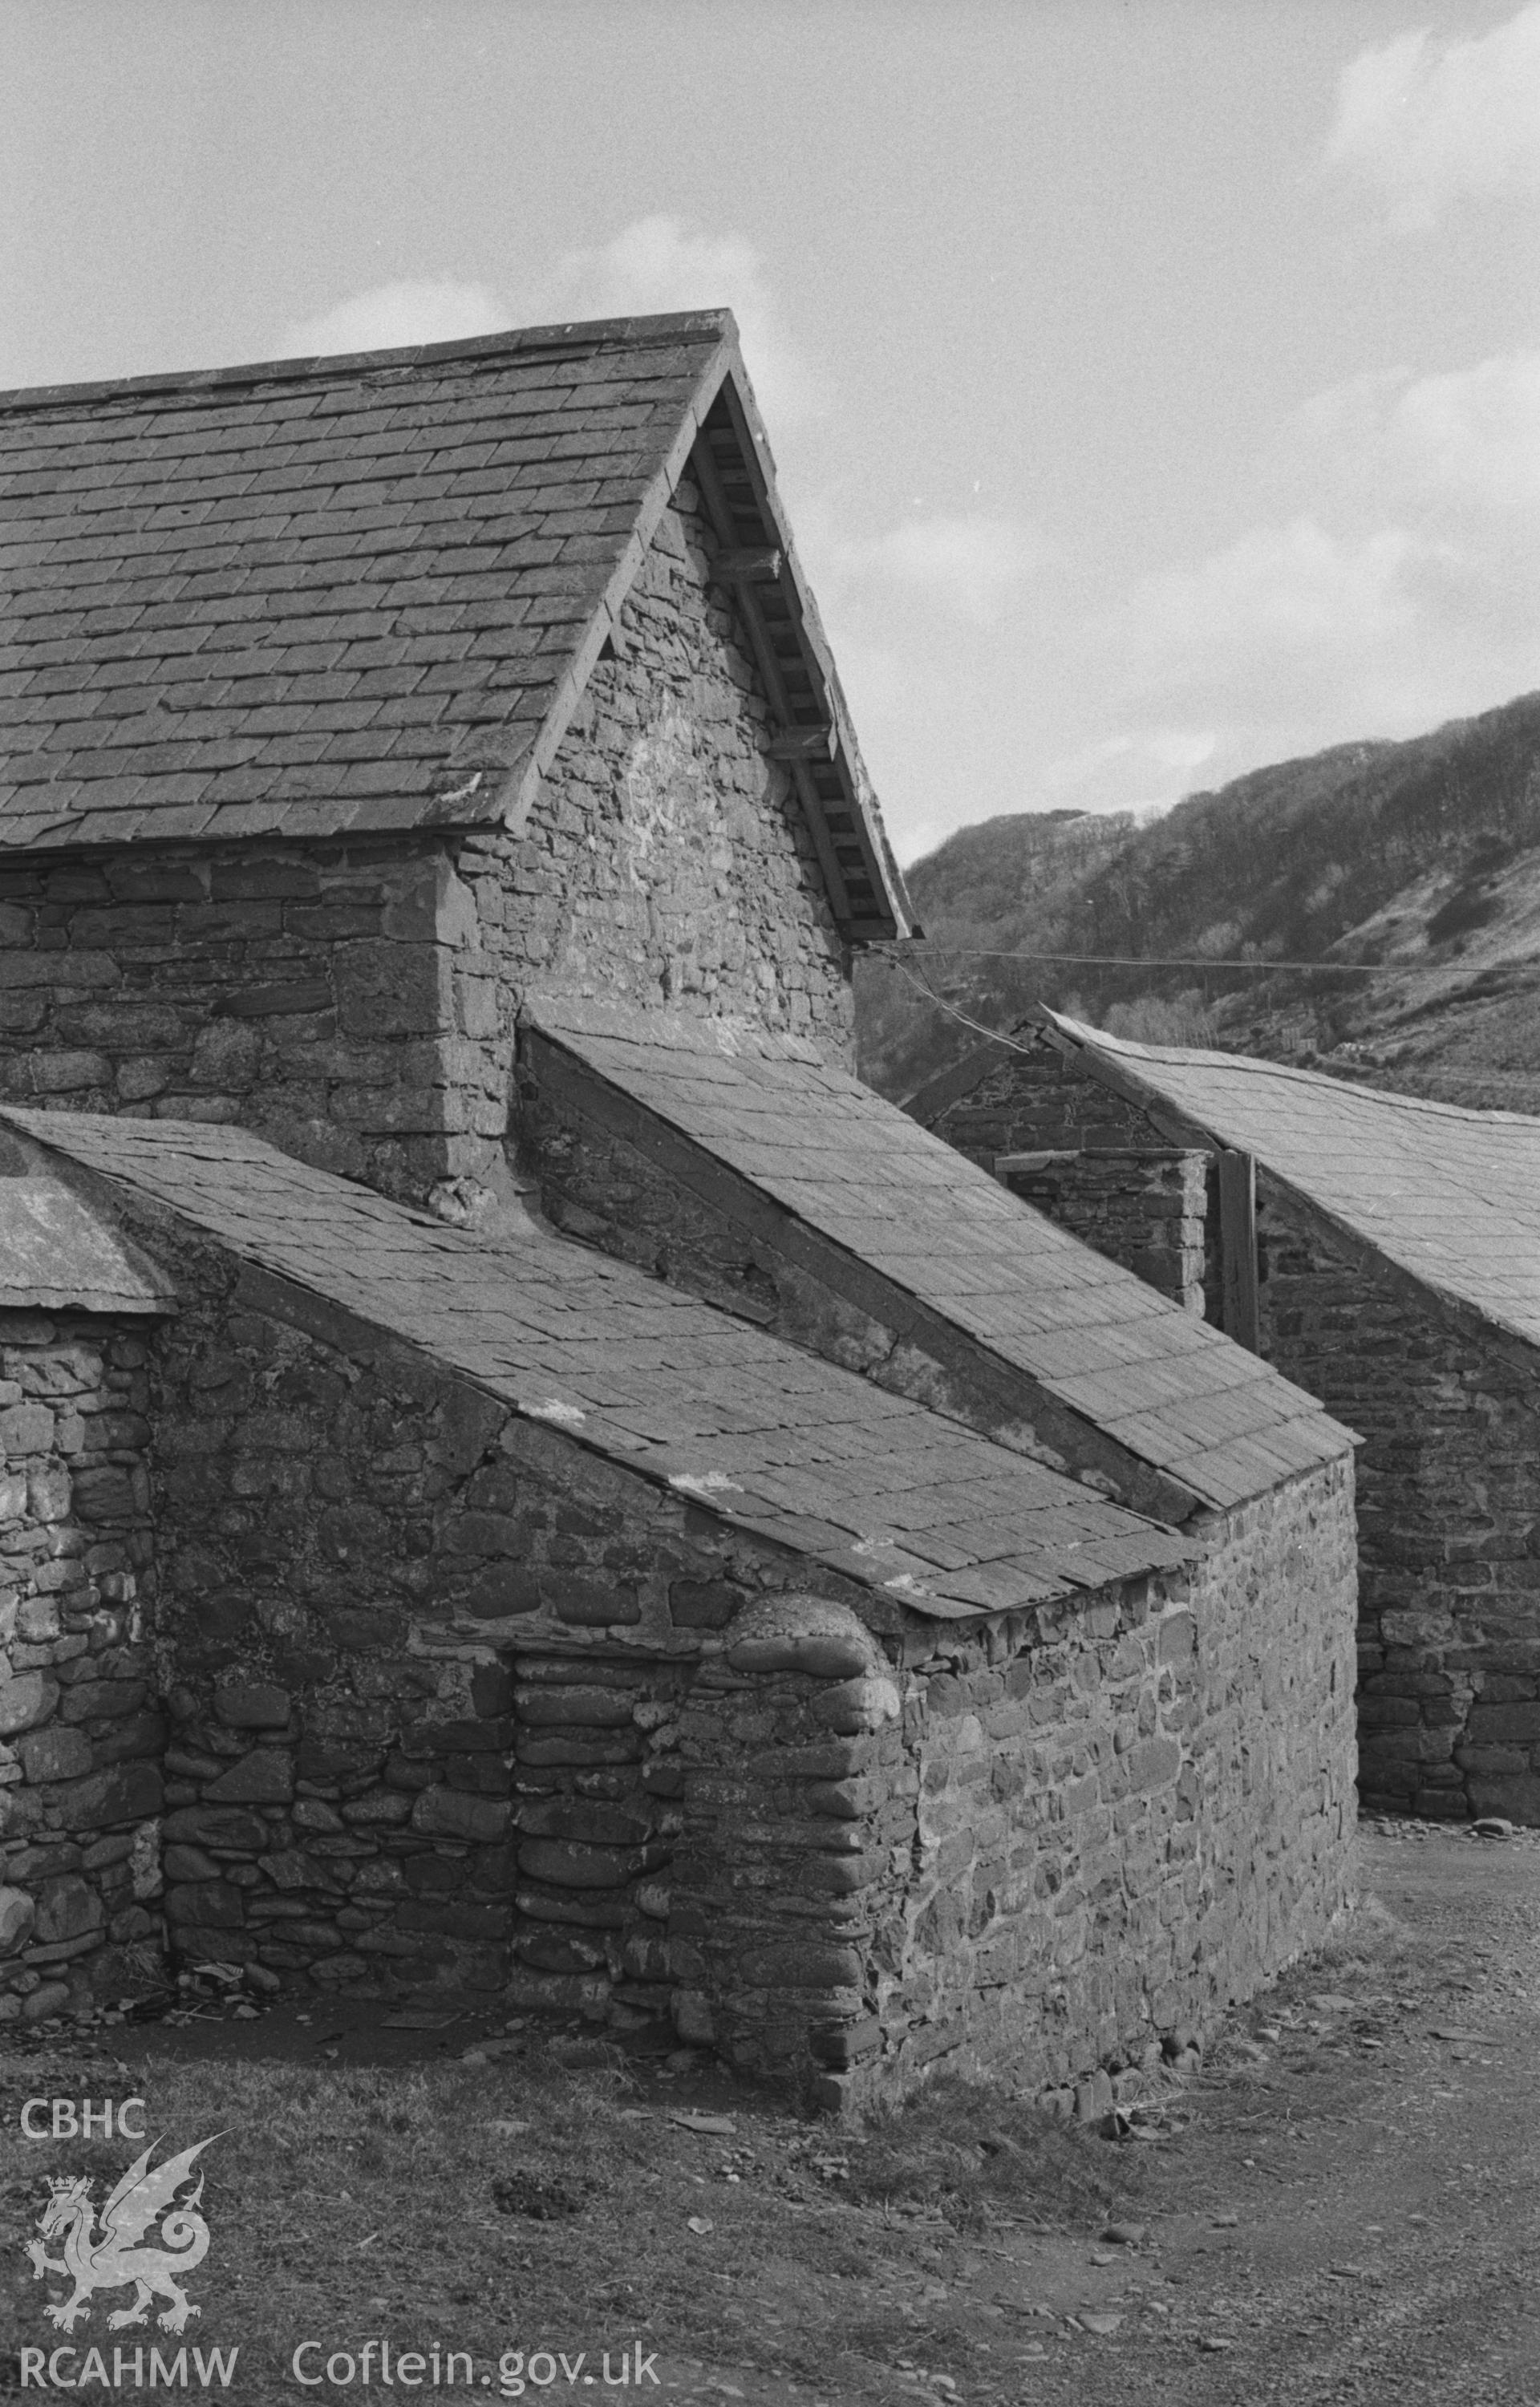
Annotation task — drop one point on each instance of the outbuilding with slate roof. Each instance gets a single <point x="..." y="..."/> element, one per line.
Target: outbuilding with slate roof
<point x="377" y="692"/>
<point x="523" y="1473"/>
<point x="1381" y="1249"/>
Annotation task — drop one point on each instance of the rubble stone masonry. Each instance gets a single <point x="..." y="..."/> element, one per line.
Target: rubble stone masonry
<point x="1056" y="1843"/>
<point x="1036" y="1101"/>
<point x="355" y="1002"/>
<point x="307" y="992"/>
<point x="666" y="860"/>
<point x="1448" y="1515"/>
<point x="1132" y="1811"/>
<point x="355" y="1675"/>
<point x="1144" y="1206"/>
<point x="422" y="1658"/>
<point x="452" y="1700"/>
<point x="81" y="1731"/>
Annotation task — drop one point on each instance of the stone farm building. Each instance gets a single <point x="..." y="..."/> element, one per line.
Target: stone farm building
<point x="522" y="1471"/>
<point x="1382" y="1250"/>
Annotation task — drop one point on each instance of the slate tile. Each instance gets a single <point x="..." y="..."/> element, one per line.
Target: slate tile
<point x="869" y="1177"/>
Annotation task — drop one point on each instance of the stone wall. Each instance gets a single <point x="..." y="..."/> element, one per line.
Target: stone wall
<point x="81" y="1736"/>
<point x="451" y="1698"/>
<point x="1131" y="1810"/>
<point x="1141" y="1205"/>
<point x="1037" y="1101"/>
<point x="363" y="1558"/>
<point x="355" y="1002"/>
<point x="797" y="1812"/>
<point x="1165" y="1227"/>
<point x="318" y="994"/>
<point x="1448" y="1515"/>
<point x="666" y="859"/>
<point x="597" y="1784"/>
<point x="1055" y="1843"/>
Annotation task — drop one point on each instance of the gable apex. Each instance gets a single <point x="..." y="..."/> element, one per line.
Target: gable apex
<point x="722" y="445"/>
<point x="364" y="594"/>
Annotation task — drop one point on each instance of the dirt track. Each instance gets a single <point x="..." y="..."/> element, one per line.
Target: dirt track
<point x="1387" y="2180"/>
<point x="1353" y="2213"/>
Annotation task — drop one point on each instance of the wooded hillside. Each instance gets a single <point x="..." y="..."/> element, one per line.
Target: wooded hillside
<point x="1422" y="858"/>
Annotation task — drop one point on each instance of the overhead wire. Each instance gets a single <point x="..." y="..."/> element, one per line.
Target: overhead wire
<point x="892" y="947"/>
<point x="921" y="985"/>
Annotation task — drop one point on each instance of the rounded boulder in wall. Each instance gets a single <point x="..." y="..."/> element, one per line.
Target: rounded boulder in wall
<point x="27" y="1699"/>
<point x="802" y="1633"/>
<point x="68" y="1908"/>
<point x="17" y="1914"/>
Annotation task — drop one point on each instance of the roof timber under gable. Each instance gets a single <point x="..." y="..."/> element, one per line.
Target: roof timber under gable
<point x="316" y="597"/>
<point x="792" y="653"/>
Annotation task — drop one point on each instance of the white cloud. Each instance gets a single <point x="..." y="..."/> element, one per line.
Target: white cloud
<point x="391" y="317"/>
<point x="969" y="564"/>
<point x="1467" y="438"/>
<point x="1175" y="749"/>
<point x="1294" y="588"/>
<point x="658" y="265"/>
<point x="662" y="264"/>
<point x="1303" y="635"/>
<point x="1427" y="121"/>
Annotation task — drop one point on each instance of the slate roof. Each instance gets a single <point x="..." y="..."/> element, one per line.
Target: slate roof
<point x="56" y="1255"/>
<point x="771" y="1438"/>
<point x="1169" y="1388"/>
<point x="315" y="596"/>
<point x="1451" y="1195"/>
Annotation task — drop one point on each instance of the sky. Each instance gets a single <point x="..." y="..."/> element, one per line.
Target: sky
<point x="1154" y="384"/>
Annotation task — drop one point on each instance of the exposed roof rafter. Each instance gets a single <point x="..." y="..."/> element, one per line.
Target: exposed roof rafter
<point x="815" y="738"/>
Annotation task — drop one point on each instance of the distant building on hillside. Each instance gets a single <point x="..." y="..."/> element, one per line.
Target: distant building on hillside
<point x="523" y="1472"/>
<point x="1382" y="1251"/>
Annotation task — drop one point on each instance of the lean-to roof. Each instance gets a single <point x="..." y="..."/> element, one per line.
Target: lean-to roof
<point x="1169" y="1390"/>
<point x="772" y="1439"/>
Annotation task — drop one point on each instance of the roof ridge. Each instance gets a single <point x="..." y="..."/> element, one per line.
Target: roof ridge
<point x="1200" y="1057"/>
<point x="597" y="333"/>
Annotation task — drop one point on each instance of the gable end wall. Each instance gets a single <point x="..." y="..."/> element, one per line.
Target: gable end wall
<point x="1038" y="1101"/>
<point x="1134" y="1818"/>
<point x="666" y="859"/>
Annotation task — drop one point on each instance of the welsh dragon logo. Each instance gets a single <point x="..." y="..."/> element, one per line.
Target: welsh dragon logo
<point x="110" y="2258"/>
